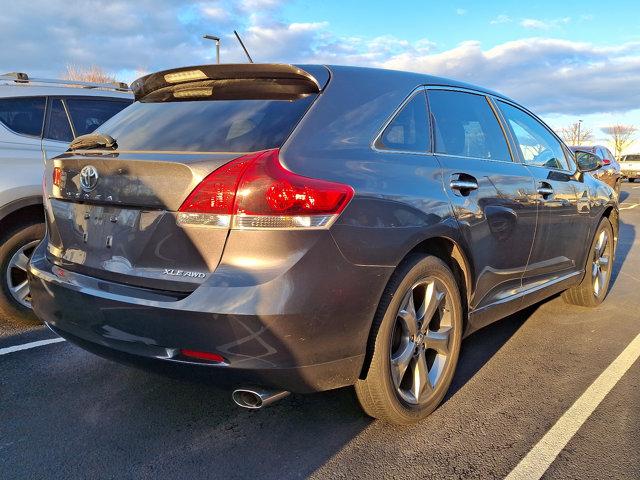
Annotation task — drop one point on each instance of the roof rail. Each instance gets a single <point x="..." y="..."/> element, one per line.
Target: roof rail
<point x="20" y="77"/>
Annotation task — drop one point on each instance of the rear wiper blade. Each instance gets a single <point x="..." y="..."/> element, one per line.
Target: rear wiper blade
<point x="93" y="140"/>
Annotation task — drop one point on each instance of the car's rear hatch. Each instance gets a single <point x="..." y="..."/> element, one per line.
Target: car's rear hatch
<point x="112" y="208"/>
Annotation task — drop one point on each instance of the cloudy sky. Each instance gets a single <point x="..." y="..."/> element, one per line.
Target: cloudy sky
<point x="566" y="60"/>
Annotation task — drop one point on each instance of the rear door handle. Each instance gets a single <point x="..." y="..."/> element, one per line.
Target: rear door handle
<point x="463" y="183"/>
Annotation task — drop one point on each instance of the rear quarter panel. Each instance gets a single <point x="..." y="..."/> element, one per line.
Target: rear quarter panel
<point x="399" y="199"/>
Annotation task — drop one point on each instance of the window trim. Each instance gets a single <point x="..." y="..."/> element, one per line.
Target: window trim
<point x="44" y="116"/>
<point x="88" y="97"/>
<point x="392" y="117"/>
<point x="63" y="99"/>
<point x="488" y="98"/>
<point x="514" y="139"/>
<point x="47" y="120"/>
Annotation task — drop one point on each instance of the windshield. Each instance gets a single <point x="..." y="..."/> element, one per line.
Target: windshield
<point x="631" y="158"/>
<point x="206" y="126"/>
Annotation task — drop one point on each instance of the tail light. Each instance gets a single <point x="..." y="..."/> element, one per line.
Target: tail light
<point x="606" y="161"/>
<point x="256" y="191"/>
<point x="57" y="176"/>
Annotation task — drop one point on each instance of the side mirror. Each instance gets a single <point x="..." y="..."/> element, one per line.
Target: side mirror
<point x="587" y="162"/>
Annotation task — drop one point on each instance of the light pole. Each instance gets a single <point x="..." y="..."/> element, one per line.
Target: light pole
<point x="579" y="124"/>
<point x="217" y="40"/>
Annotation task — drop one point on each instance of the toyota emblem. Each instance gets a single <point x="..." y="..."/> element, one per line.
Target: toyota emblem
<point x="88" y="178"/>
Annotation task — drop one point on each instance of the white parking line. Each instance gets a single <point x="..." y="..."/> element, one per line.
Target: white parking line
<point x="629" y="206"/>
<point x="26" y="346"/>
<point x="547" y="449"/>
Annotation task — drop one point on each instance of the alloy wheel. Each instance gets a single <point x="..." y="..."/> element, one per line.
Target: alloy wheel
<point x="420" y="342"/>
<point x="17" y="274"/>
<point x="601" y="267"/>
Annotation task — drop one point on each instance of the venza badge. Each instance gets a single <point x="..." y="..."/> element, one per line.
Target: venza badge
<point x="88" y="178"/>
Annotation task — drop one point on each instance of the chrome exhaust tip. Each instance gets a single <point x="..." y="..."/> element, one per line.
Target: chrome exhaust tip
<point x="255" y="399"/>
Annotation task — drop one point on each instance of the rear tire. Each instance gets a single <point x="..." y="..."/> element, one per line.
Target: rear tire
<point x="595" y="285"/>
<point x="632" y="180"/>
<point x="15" y="298"/>
<point x="414" y="342"/>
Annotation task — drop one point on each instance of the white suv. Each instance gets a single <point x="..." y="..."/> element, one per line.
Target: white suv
<point x="38" y="119"/>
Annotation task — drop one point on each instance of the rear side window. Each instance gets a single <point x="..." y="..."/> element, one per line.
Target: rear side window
<point x="537" y="144"/>
<point x="465" y="125"/>
<point x="23" y="115"/>
<point x="206" y="125"/>
<point x="58" y="127"/>
<point x="87" y="114"/>
<point x="409" y="130"/>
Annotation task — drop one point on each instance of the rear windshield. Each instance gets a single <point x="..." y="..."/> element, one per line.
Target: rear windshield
<point x="206" y="126"/>
<point x="631" y="158"/>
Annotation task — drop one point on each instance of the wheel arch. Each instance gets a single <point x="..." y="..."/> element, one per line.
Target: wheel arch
<point x="612" y="214"/>
<point x="453" y="255"/>
<point x="21" y="212"/>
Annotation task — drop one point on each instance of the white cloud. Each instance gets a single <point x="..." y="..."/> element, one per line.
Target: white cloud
<point x="215" y="12"/>
<point x="536" y="24"/>
<point x="501" y="19"/>
<point x="584" y="78"/>
<point x="461" y="11"/>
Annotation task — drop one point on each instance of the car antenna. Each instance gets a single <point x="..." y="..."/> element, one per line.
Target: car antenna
<point x="217" y="40"/>
<point x="243" y="47"/>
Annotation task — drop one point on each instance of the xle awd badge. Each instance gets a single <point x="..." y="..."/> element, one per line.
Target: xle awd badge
<point x="88" y="178"/>
<point x="183" y="273"/>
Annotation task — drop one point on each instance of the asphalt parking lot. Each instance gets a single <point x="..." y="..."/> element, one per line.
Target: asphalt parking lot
<point x="65" y="413"/>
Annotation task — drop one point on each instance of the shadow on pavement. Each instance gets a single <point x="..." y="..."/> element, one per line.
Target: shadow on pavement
<point x="626" y="238"/>
<point x="478" y="348"/>
<point x="623" y="196"/>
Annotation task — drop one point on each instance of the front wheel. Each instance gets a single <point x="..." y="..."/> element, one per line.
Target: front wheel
<point x="595" y="285"/>
<point x="415" y="343"/>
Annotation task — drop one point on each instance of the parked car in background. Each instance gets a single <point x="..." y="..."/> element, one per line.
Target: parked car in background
<point x="630" y="166"/>
<point x="610" y="170"/>
<point x="38" y="119"/>
<point x="285" y="228"/>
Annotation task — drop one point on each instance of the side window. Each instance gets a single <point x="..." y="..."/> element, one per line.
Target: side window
<point x="23" y="115"/>
<point x="465" y="125"/>
<point x="409" y="129"/>
<point x="88" y="114"/>
<point x="58" y="127"/>
<point x="538" y="146"/>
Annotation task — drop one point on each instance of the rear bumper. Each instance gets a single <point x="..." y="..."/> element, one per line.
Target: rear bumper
<point x="295" y="332"/>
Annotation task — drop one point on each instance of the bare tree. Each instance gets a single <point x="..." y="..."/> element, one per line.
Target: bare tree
<point x="94" y="73"/>
<point x="576" y="134"/>
<point x="620" y="137"/>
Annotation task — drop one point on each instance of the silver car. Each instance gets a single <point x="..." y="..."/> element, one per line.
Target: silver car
<point x="38" y="119"/>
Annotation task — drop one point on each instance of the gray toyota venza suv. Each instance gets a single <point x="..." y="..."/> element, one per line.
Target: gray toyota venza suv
<point x="303" y="228"/>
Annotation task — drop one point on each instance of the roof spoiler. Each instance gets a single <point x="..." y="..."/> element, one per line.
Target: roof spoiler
<point x="252" y="78"/>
